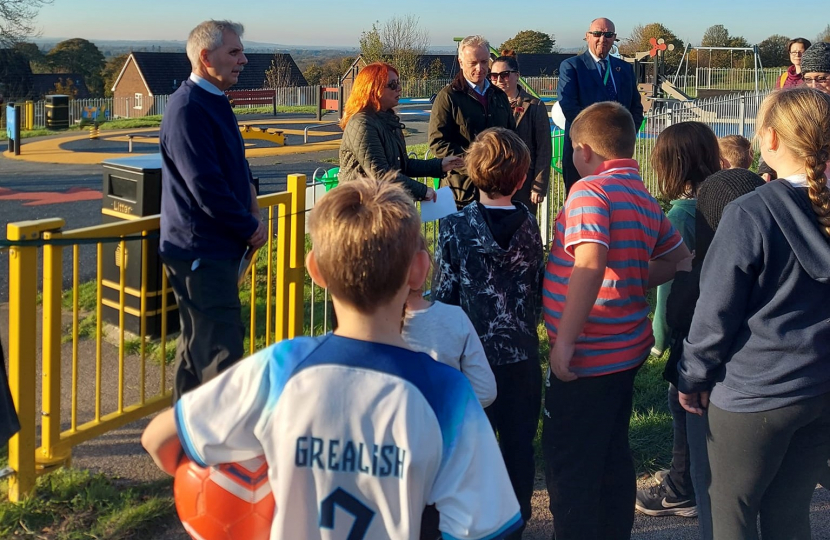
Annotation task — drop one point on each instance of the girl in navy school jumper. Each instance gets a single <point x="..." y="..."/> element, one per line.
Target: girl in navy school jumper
<point x="757" y="356"/>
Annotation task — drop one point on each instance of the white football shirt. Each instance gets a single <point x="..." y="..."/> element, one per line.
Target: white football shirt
<point x="359" y="437"/>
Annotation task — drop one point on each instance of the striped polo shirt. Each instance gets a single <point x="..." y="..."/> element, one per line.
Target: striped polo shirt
<point x="612" y="208"/>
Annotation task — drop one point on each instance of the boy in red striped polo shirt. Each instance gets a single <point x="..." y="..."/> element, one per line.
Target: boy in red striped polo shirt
<point x="612" y="243"/>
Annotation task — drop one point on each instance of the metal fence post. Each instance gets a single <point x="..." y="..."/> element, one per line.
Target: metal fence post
<point x="296" y="260"/>
<point x="22" y="347"/>
<point x="742" y="115"/>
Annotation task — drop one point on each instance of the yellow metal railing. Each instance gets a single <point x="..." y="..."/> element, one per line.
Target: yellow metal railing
<point x="281" y="290"/>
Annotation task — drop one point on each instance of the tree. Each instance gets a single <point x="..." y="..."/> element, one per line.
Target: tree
<point x="111" y="72"/>
<point x="36" y="58"/>
<point x="718" y="36"/>
<point x="313" y="73"/>
<point x="531" y="42"/>
<point x="773" y="51"/>
<point x="279" y="74"/>
<point x="66" y="87"/>
<point x="17" y="20"/>
<point x="824" y="35"/>
<point x="436" y="70"/>
<point x="638" y="41"/>
<point x="80" y="56"/>
<point x="15" y="74"/>
<point x="400" y="41"/>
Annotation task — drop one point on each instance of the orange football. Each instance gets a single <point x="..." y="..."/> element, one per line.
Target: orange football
<point x="226" y="502"/>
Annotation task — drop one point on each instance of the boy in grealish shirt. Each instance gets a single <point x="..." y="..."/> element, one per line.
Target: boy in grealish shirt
<point x="611" y="244"/>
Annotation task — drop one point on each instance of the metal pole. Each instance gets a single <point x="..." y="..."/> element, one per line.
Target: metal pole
<point x="742" y="115"/>
<point x="18" y="112"/>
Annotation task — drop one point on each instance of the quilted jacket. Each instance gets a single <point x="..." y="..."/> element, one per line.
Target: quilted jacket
<point x="373" y="144"/>
<point x="456" y="119"/>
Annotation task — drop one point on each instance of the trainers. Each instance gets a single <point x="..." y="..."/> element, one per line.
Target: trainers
<point x="661" y="500"/>
<point x="660" y="475"/>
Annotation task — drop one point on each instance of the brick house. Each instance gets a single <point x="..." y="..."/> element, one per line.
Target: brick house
<point x="146" y="75"/>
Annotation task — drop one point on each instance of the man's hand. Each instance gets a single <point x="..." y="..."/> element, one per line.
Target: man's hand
<point x="259" y="238"/>
<point x="452" y="162"/>
<point x="430" y="195"/>
<point x="537" y="198"/>
<point x="560" y="361"/>
<point x="696" y="403"/>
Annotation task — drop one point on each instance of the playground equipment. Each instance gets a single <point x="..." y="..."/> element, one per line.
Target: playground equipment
<point x="757" y="66"/>
<point x="269" y="134"/>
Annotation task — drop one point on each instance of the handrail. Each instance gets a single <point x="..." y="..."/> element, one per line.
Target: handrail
<point x="305" y="131"/>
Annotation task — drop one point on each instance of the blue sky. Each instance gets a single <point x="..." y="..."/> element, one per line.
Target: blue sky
<point x="339" y="23"/>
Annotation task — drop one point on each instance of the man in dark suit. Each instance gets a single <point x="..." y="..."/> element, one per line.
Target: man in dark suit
<point x="591" y="77"/>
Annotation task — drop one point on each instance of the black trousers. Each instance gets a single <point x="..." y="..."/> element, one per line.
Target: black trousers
<point x="588" y="466"/>
<point x="569" y="173"/>
<point x="212" y="333"/>
<point x="515" y="419"/>
<point x="680" y="473"/>
<point x="767" y="463"/>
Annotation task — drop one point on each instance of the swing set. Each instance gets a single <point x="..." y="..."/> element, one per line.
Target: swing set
<point x="760" y="82"/>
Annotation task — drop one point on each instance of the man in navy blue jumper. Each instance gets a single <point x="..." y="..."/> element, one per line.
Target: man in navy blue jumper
<point x="209" y="212"/>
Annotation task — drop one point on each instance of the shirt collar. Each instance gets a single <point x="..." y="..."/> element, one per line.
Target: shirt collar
<point x="475" y="88"/>
<point x="205" y="85"/>
<point x="595" y="57"/>
<point x="797" y="180"/>
<point x="613" y="165"/>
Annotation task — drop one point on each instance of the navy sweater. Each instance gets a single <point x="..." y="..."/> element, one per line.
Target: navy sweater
<point x="205" y="189"/>
<point x="760" y="336"/>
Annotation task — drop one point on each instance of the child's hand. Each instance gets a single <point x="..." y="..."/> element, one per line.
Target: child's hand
<point x="695" y="403"/>
<point x="685" y="265"/>
<point x="560" y="361"/>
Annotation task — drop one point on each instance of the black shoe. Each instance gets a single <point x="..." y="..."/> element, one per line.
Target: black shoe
<point x="661" y="500"/>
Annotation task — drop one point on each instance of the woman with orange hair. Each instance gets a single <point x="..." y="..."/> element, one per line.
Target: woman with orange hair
<point x="373" y="143"/>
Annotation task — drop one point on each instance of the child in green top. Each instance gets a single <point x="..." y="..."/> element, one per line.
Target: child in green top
<point x="683" y="157"/>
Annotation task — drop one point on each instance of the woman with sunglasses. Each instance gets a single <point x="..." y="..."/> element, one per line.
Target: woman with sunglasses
<point x="793" y="75"/>
<point x="532" y="125"/>
<point x="373" y="143"/>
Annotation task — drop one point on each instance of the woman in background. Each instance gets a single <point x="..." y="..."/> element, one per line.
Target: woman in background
<point x="373" y="143"/>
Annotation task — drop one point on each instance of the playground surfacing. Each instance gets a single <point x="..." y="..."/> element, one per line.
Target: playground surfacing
<point x="78" y="148"/>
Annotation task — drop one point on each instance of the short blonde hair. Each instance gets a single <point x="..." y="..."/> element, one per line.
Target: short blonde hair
<point x="364" y="234"/>
<point x="209" y="35"/>
<point x="497" y="161"/>
<point x="800" y="117"/>
<point x="737" y="150"/>
<point x="608" y="128"/>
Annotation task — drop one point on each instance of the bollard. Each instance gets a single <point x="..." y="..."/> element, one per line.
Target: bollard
<point x="130" y="143"/>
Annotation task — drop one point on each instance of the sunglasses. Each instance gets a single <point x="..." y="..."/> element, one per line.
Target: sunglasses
<point x="503" y="76"/>
<point x="597" y="33"/>
<point x="394" y="85"/>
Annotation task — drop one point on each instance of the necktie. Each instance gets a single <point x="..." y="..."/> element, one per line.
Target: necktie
<point x="605" y="73"/>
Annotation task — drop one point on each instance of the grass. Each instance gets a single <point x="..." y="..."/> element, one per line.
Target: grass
<point x="286" y="109"/>
<point x="71" y="504"/>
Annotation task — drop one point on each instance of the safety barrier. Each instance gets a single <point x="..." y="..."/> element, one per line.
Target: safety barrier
<point x="103" y="385"/>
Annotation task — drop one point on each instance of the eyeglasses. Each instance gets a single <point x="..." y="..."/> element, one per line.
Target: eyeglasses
<point x="504" y="75"/>
<point x="395" y="85"/>
<point x="597" y="33"/>
<point x="817" y="80"/>
<point x="796" y="53"/>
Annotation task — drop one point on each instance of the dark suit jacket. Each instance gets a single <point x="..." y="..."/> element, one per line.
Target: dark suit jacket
<point x="580" y="86"/>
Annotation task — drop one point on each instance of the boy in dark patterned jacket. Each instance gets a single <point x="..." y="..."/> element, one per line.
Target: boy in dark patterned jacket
<point x="490" y="262"/>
